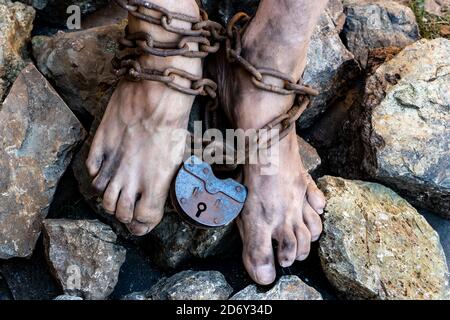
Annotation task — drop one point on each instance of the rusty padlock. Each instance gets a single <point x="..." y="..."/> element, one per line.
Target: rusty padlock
<point x="204" y="200"/>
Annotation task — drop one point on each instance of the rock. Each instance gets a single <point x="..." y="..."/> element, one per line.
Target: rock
<point x="442" y="227"/>
<point x="336" y="11"/>
<point x="16" y="22"/>
<point x="188" y="285"/>
<point x="30" y="279"/>
<point x="67" y="298"/>
<point x="375" y="245"/>
<point x="54" y="12"/>
<point x="378" y="24"/>
<point x="287" y="288"/>
<point x="330" y="67"/>
<point x="310" y="158"/>
<point x="83" y="257"/>
<point x="174" y="242"/>
<point x="108" y="15"/>
<point x="38" y="136"/>
<point x="79" y="63"/>
<point x="407" y="112"/>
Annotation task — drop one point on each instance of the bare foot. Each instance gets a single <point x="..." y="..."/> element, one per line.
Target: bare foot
<point x="134" y="155"/>
<point x="285" y="206"/>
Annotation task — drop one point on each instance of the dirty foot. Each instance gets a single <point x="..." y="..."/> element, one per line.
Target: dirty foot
<point x="134" y="154"/>
<point x="286" y="205"/>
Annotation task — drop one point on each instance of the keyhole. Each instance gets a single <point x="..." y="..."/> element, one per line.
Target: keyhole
<point x="201" y="208"/>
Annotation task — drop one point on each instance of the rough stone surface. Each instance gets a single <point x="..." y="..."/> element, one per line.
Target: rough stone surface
<point x="30" y="279"/>
<point x="83" y="256"/>
<point x="375" y="245"/>
<point x="287" y="288"/>
<point x="329" y="68"/>
<point x="16" y="22"/>
<point x="406" y="124"/>
<point x="188" y="285"/>
<point x="79" y="64"/>
<point x="174" y="242"/>
<point x="38" y="134"/>
<point x="54" y="12"/>
<point x="378" y="24"/>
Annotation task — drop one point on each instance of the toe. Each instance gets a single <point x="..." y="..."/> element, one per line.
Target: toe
<point x="108" y="169"/>
<point x="111" y="197"/>
<point x="138" y="229"/>
<point x="315" y="197"/>
<point x="287" y="247"/>
<point x="101" y="181"/>
<point x="312" y="221"/>
<point x="258" y="255"/>
<point x="94" y="163"/>
<point x="95" y="158"/>
<point x="146" y="213"/>
<point x="125" y="206"/>
<point x="303" y="241"/>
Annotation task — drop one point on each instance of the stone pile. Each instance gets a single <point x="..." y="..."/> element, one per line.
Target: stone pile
<point x="384" y="99"/>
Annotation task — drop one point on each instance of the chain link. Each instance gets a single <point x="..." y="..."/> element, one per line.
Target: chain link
<point x="208" y="35"/>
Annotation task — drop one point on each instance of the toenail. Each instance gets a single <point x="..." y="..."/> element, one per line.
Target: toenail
<point x="315" y="238"/>
<point x="320" y="211"/>
<point x="285" y="263"/>
<point x="303" y="257"/>
<point x="264" y="274"/>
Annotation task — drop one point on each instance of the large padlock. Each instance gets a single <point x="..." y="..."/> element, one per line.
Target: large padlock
<point x="204" y="200"/>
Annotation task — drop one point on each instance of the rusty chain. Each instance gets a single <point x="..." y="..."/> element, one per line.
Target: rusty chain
<point x="285" y="122"/>
<point x="204" y="32"/>
<point x="208" y="35"/>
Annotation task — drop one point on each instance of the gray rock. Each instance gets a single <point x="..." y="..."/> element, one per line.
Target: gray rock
<point x="83" y="257"/>
<point x="329" y="68"/>
<point x="336" y="11"/>
<point x="378" y="24"/>
<point x="188" y="285"/>
<point x="79" y="63"/>
<point x="29" y="279"/>
<point x="38" y="136"/>
<point x="16" y="22"/>
<point x="406" y="132"/>
<point x="174" y="241"/>
<point x="375" y="245"/>
<point x="68" y="298"/>
<point x="287" y="288"/>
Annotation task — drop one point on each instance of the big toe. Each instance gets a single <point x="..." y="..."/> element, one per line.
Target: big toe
<point x="258" y="256"/>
